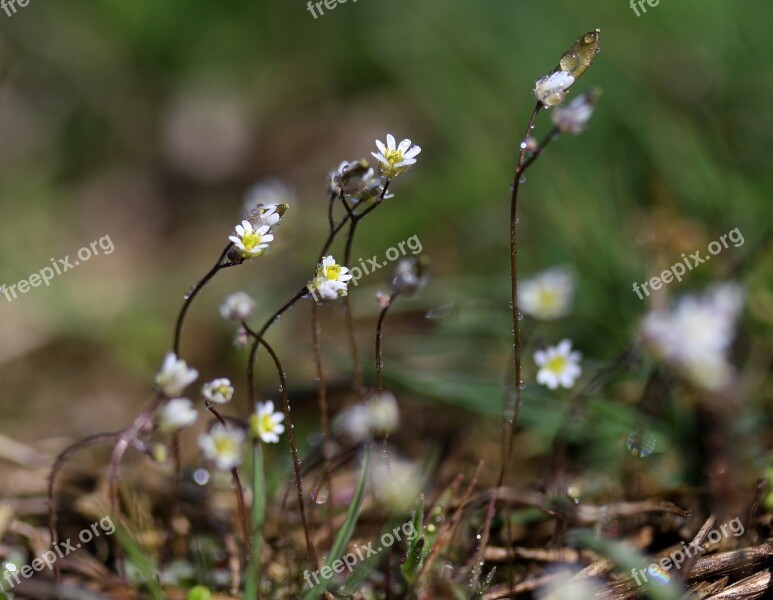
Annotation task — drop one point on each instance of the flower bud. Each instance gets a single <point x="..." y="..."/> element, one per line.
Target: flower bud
<point x="411" y="275"/>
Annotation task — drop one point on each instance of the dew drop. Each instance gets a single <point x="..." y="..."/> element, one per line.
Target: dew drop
<point x="522" y="180"/>
<point x="520" y="315"/>
<point x="322" y="495"/>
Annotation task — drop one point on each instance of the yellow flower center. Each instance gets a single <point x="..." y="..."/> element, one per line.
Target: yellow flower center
<point x="266" y="423"/>
<point x="225" y="445"/>
<point x="251" y="240"/>
<point x="393" y="156"/>
<point x="556" y="364"/>
<point x="333" y="272"/>
<point x="547" y="298"/>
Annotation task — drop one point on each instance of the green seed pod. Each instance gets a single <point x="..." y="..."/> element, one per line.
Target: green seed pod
<point x="579" y="57"/>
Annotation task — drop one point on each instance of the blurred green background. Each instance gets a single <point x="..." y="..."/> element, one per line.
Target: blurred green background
<point x="148" y="121"/>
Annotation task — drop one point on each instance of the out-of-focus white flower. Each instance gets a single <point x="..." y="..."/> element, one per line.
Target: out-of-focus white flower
<point x="175" y="376"/>
<point x="329" y="281"/>
<point x="263" y="196"/>
<point x="551" y="89"/>
<point x="369" y="419"/>
<point x="237" y="307"/>
<point x="547" y="295"/>
<point x="695" y="335"/>
<point x="265" y="423"/>
<point x="218" y="391"/>
<point x="559" y="365"/>
<point x="224" y="446"/>
<point x="573" y="117"/>
<point x="411" y="275"/>
<point x="249" y="241"/>
<point x="398" y="487"/>
<point x="176" y="414"/>
<point x="395" y="159"/>
<point x="568" y="587"/>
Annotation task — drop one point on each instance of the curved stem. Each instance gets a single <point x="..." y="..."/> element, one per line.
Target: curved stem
<point x="380" y="369"/>
<point x="513" y="422"/>
<point x="296" y="458"/>
<point x="57" y="466"/>
<point x="242" y="505"/>
<point x="359" y="384"/>
<point x="293" y="448"/>
<point x="195" y="292"/>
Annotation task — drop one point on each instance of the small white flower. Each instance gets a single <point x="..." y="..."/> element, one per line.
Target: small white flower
<point x="175" y="376"/>
<point x="218" y="391"/>
<point x="551" y="89"/>
<point x="237" y="307"/>
<point x="573" y="117"/>
<point x="224" y="446"/>
<point x="329" y="281"/>
<point x="395" y="159"/>
<point x="250" y="241"/>
<point x="176" y="414"/>
<point x="368" y="420"/>
<point x="547" y="295"/>
<point x="558" y="365"/>
<point x="695" y="335"/>
<point x="264" y="195"/>
<point x="265" y="423"/>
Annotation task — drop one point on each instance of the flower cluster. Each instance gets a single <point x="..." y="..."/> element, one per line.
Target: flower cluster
<point x="694" y="337"/>
<point x="330" y="281"/>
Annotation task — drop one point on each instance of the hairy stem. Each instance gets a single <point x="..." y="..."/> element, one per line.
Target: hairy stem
<point x="513" y="422"/>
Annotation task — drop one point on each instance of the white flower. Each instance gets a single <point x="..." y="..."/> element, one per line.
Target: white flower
<point x="694" y="337"/>
<point x="219" y="391"/>
<point x="395" y="159"/>
<point x="224" y="446"/>
<point x="264" y="195"/>
<point x="175" y="376"/>
<point x="365" y="421"/>
<point x="551" y="89"/>
<point x="249" y="241"/>
<point x="329" y="281"/>
<point x="558" y="365"/>
<point x="573" y="117"/>
<point x="547" y="295"/>
<point x="265" y="423"/>
<point x="237" y="307"/>
<point x="177" y="413"/>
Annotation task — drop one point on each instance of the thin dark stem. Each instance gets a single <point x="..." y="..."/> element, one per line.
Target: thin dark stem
<point x="513" y="422"/>
<point x="359" y="384"/>
<point x="380" y="371"/>
<point x="258" y="338"/>
<point x="57" y="466"/>
<point x="553" y="134"/>
<point x="242" y="505"/>
<point x="192" y="295"/>
<point x="322" y="397"/>
<point x="293" y="446"/>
